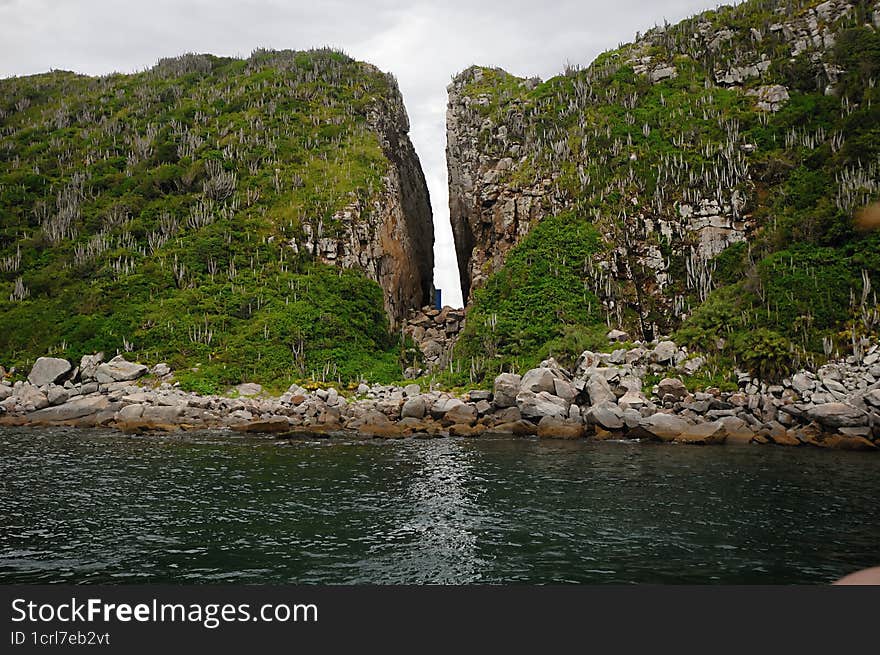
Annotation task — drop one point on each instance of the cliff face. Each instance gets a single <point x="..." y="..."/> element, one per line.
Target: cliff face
<point x="389" y="236"/>
<point x="489" y="214"/>
<point x="733" y="128"/>
<point x="263" y="217"/>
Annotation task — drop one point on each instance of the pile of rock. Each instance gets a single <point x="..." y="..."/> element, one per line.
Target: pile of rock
<point x="603" y="396"/>
<point x="434" y="332"/>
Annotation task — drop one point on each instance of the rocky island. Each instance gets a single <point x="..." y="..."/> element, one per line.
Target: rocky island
<point x="675" y="243"/>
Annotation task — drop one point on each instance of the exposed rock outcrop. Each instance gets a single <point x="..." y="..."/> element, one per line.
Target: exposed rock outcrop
<point x="389" y="236"/>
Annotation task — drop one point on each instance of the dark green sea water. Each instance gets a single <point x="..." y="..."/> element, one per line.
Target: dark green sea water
<point x="87" y="506"/>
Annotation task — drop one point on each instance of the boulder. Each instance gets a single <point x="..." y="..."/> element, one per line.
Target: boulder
<point x="665" y="352"/>
<point x="800" y="383"/>
<point x="461" y="415"/>
<point x="837" y="415"/>
<point x="274" y="424"/>
<point x="664" y="427"/>
<point x="249" y="389"/>
<point x="88" y="366"/>
<point x="537" y="405"/>
<point x="672" y="387"/>
<point x="75" y="409"/>
<point x="736" y="430"/>
<point x="119" y="370"/>
<point x="563" y="389"/>
<point x="5" y="392"/>
<point x="161" y="369"/>
<point x="49" y="370"/>
<point x="599" y="391"/>
<point x="538" y="380"/>
<point x="702" y="434"/>
<point x="442" y="406"/>
<point x="29" y="398"/>
<point x="505" y="390"/>
<point x="559" y="428"/>
<point x="520" y="428"/>
<point x="415" y="407"/>
<point x="57" y="395"/>
<point x="607" y="415"/>
<point x="617" y="335"/>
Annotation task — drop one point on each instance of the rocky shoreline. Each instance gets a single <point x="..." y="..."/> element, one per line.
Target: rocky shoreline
<point x="837" y="406"/>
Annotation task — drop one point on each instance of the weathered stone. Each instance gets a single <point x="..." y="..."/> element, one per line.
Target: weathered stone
<point x="599" y="391"/>
<point x="672" y="387"/>
<point x="617" y="335"/>
<point x="414" y="408"/>
<point x="538" y="380"/>
<point x="665" y="352"/>
<point x="559" y="428"/>
<point x="607" y="415"/>
<point x="542" y="404"/>
<point x="269" y="425"/>
<point x="160" y="370"/>
<point x="119" y="370"/>
<point x="75" y="409"/>
<point x="412" y="390"/>
<point x="461" y="414"/>
<point x="564" y="390"/>
<point x="56" y="395"/>
<point x="49" y="370"/>
<point x="88" y="366"/>
<point x="29" y="398"/>
<point x="801" y="383"/>
<point x="664" y="427"/>
<point x="771" y="97"/>
<point x="702" y="433"/>
<point x="505" y="390"/>
<point x="5" y="392"/>
<point x="837" y="415"/>
<point x="520" y="428"/>
<point x="249" y="389"/>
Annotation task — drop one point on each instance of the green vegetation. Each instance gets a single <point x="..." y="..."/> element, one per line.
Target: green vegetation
<point x="627" y="154"/>
<point x="162" y="214"/>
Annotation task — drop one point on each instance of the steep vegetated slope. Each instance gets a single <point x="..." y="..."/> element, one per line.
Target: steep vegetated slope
<point x="261" y="219"/>
<point x="707" y="179"/>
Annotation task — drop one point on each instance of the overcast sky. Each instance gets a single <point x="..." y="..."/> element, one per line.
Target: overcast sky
<point x="422" y="43"/>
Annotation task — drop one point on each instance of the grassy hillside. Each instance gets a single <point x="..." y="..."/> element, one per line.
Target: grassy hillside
<point x="155" y="213"/>
<point x="627" y="151"/>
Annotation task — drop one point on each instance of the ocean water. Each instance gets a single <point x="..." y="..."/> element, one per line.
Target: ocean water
<point x="100" y="507"/>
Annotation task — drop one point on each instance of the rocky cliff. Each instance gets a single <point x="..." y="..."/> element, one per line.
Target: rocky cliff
<point x="389" y="236"/>
<point x="745" y="126"/>
<point x="266" y="216"/>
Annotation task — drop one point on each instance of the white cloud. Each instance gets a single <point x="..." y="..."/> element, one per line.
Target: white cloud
<point x="422" y="43"/>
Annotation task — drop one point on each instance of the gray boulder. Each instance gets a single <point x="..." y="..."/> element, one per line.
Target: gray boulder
<point x="5" y="392"/>
<point x="599" y="390"/>
<point x="119" y="370"/>
<point x="88" y="366"/>
<point x="837" y="415"/>
<point x="505" y="390"/>
<point x="49" y="370"/>
<point x="537" y="405"/>
<point x="672" y="387"/>
<point x="414" y="408"/>
<point x="538" y="380"/>
<point x="664" y="427"/>
<point x="665" y="352"/>
<point x="75" y="409"/>
<point x="57" y="395"/>
<point x="29" y="398"/>
<point x="606" y="415"/>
